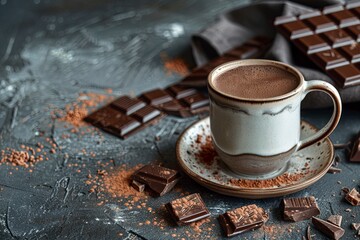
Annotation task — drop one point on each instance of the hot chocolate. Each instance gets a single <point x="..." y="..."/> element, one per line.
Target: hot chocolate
<point x="256" y="81"/>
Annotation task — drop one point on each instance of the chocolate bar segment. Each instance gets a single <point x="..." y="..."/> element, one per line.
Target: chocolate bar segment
<point x="188" y="209"/>
<point x="295" y="29"/>
<point x="298" y="209"/>
<point x="334" y="44"/>
<point x="242" y="219"/>
<point x="329" y="229"/>
<point x="335" y="219"/>
<point x="355" y="152"/>
<point x="159" y="180"/>
<point x="353" y="197"/>
<point x="156" y="97"/>
<point x="146" y="114"/>
<point x="128" y="105"/>
<point x="138" y="186"/>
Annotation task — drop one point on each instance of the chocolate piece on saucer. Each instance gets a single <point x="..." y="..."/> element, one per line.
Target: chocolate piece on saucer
<point x="188" y="209"/>
<point x="355" y="152"/>
<point x="335" y="219"/>
<point x="298" y="209"/>
<point x="353" y="197"/>
<point x="328" y="228"/>
<point x="159" y="180"/>
<point x="242" y="219"/>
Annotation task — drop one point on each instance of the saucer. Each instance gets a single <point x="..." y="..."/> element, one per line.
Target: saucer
<point x="305" y="167"/>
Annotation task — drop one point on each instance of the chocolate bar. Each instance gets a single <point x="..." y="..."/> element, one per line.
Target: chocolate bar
<point x="355" y="152"/>
<point x="298" y="209"/>
<point x="330" y="38"/>
<point x="138" y="186"/>
<point x="328" y="228"/>
<point x="335" y="219"/>
<point x="188" y="209"/>
<point x="124" y="117"/>
<point x="242" y="219"/>
<point x="253" y="48"/>
<point x="159" y="180"/>
<point x="353" y="197"/>
<point x="177" y="100"/>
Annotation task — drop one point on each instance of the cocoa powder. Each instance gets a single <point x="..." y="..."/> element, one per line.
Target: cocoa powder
<point x="206" y="153"/>
<point x="176" y="65"/>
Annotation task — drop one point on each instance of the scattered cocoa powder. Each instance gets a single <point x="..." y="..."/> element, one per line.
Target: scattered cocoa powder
<point x="175" y="65"/>
<point x="206" y="153"/>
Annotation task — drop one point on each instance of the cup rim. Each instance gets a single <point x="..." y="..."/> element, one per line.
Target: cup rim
<point x="246" y="62"/>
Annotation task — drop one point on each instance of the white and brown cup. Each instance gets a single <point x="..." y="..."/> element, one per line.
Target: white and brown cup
<point x="256" y="137"/>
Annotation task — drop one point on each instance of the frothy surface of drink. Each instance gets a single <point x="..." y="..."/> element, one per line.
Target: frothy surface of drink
<point x="257" y="81"/>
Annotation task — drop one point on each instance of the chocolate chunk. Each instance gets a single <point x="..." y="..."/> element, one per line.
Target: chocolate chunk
<point x="242" y="219"/>
<point x="128" y="105"/>
<point x="159" y="180"/>
<point x="146" y="114"/>
<point x="320" y="23"/>
<point x="337" y="38"/>
<point x="354" y="31"/>
<point x="334" y="170"/>
<point x="140" y="187"/>
<point x="335" y="219"/>
<point x="156" y="97"/>
<point x="344" y="18"/>
<point x="179" y="91"/>
<point x="329" y="59"/>
<point x="346" y="75"/>
<point x="298" y="209"/>
<point x="188" y="209"/>
<point x="311" y="44"/>
<point x="355" y="226"/>
<point x="329" y="229"/>
<point x="351" y="52"/>
<point x="353" y="197"/>
<point x="195" y="101"/>
<point x="295" y="29"/>
<point x="355" y="152"/>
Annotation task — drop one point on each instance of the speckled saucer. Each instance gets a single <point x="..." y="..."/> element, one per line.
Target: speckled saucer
<point x="311" y="163"/>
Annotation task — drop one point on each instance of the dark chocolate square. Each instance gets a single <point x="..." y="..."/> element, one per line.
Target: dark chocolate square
<point x="242" y="219"/>
<point x="311" y="44"/>
<point x="337" y="38"/>
<point x="128" y="105"/>
<point x="156" y="97"/>
<point x="295" y="29"/>
<point x="320" y="23"/>
<point x="329" y="59"/>
<point x="354" y="31"/>
<point x="345" y="75"/>
<point x="351" y="52"/>
<point x="188" y="209"/>
<point x="146" y="113"/>
<point x="195" y="101"/>
<point x="344" y="18"/>
<point x="179" y="91"/>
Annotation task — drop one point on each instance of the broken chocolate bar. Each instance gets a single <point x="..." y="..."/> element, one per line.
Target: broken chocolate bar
<point x="298" y="209"/>
<point x="188" y="209"/>
<point x="242" y="219"/>
<point x="329" y="229"/>
<point x="335" y="219"/>
<point x="330" y="40"/>
<point x="353" y="197"/>
<point x="159" y="180"/>
<point x="355" y="152"/>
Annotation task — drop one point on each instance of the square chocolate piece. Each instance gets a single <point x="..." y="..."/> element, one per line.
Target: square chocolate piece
<point x="242" y="219"/>
<point x="311" y="44"/>
<point x="295" y="29"/>
<point x="344" y="18"/>
<point x="188" y="209"/>
<point x="346" y="75"/>
<point x="320" y="23"/>
<point x="146" y="113"/>
<point x="179" y="91"/>
<point x="354" y="31"/>
<point x="156" y="97"/>
<point x="353" y="197"/>
<point x="128" y="105"/>
<point x="329" y="59"/>
<point x="159" y="180"/>
<point x="298" y="209"/>
<point x="351" y="52"/>
<point x="337" y="38"/>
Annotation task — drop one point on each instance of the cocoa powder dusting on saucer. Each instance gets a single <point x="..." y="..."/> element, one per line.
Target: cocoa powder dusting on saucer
<point x="206" y="153"/>
<point x="284" y="179"/>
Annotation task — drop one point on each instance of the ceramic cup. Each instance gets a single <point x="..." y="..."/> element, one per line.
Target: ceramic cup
<point x="256" y="137"/>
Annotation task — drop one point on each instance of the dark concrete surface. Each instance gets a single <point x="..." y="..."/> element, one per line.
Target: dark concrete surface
<point x="50" y="51"/>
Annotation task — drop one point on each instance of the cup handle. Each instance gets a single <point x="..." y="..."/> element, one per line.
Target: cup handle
<point x="317" y="85"/>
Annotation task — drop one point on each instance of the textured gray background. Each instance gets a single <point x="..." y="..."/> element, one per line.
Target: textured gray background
<point x="52" y="50"/>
